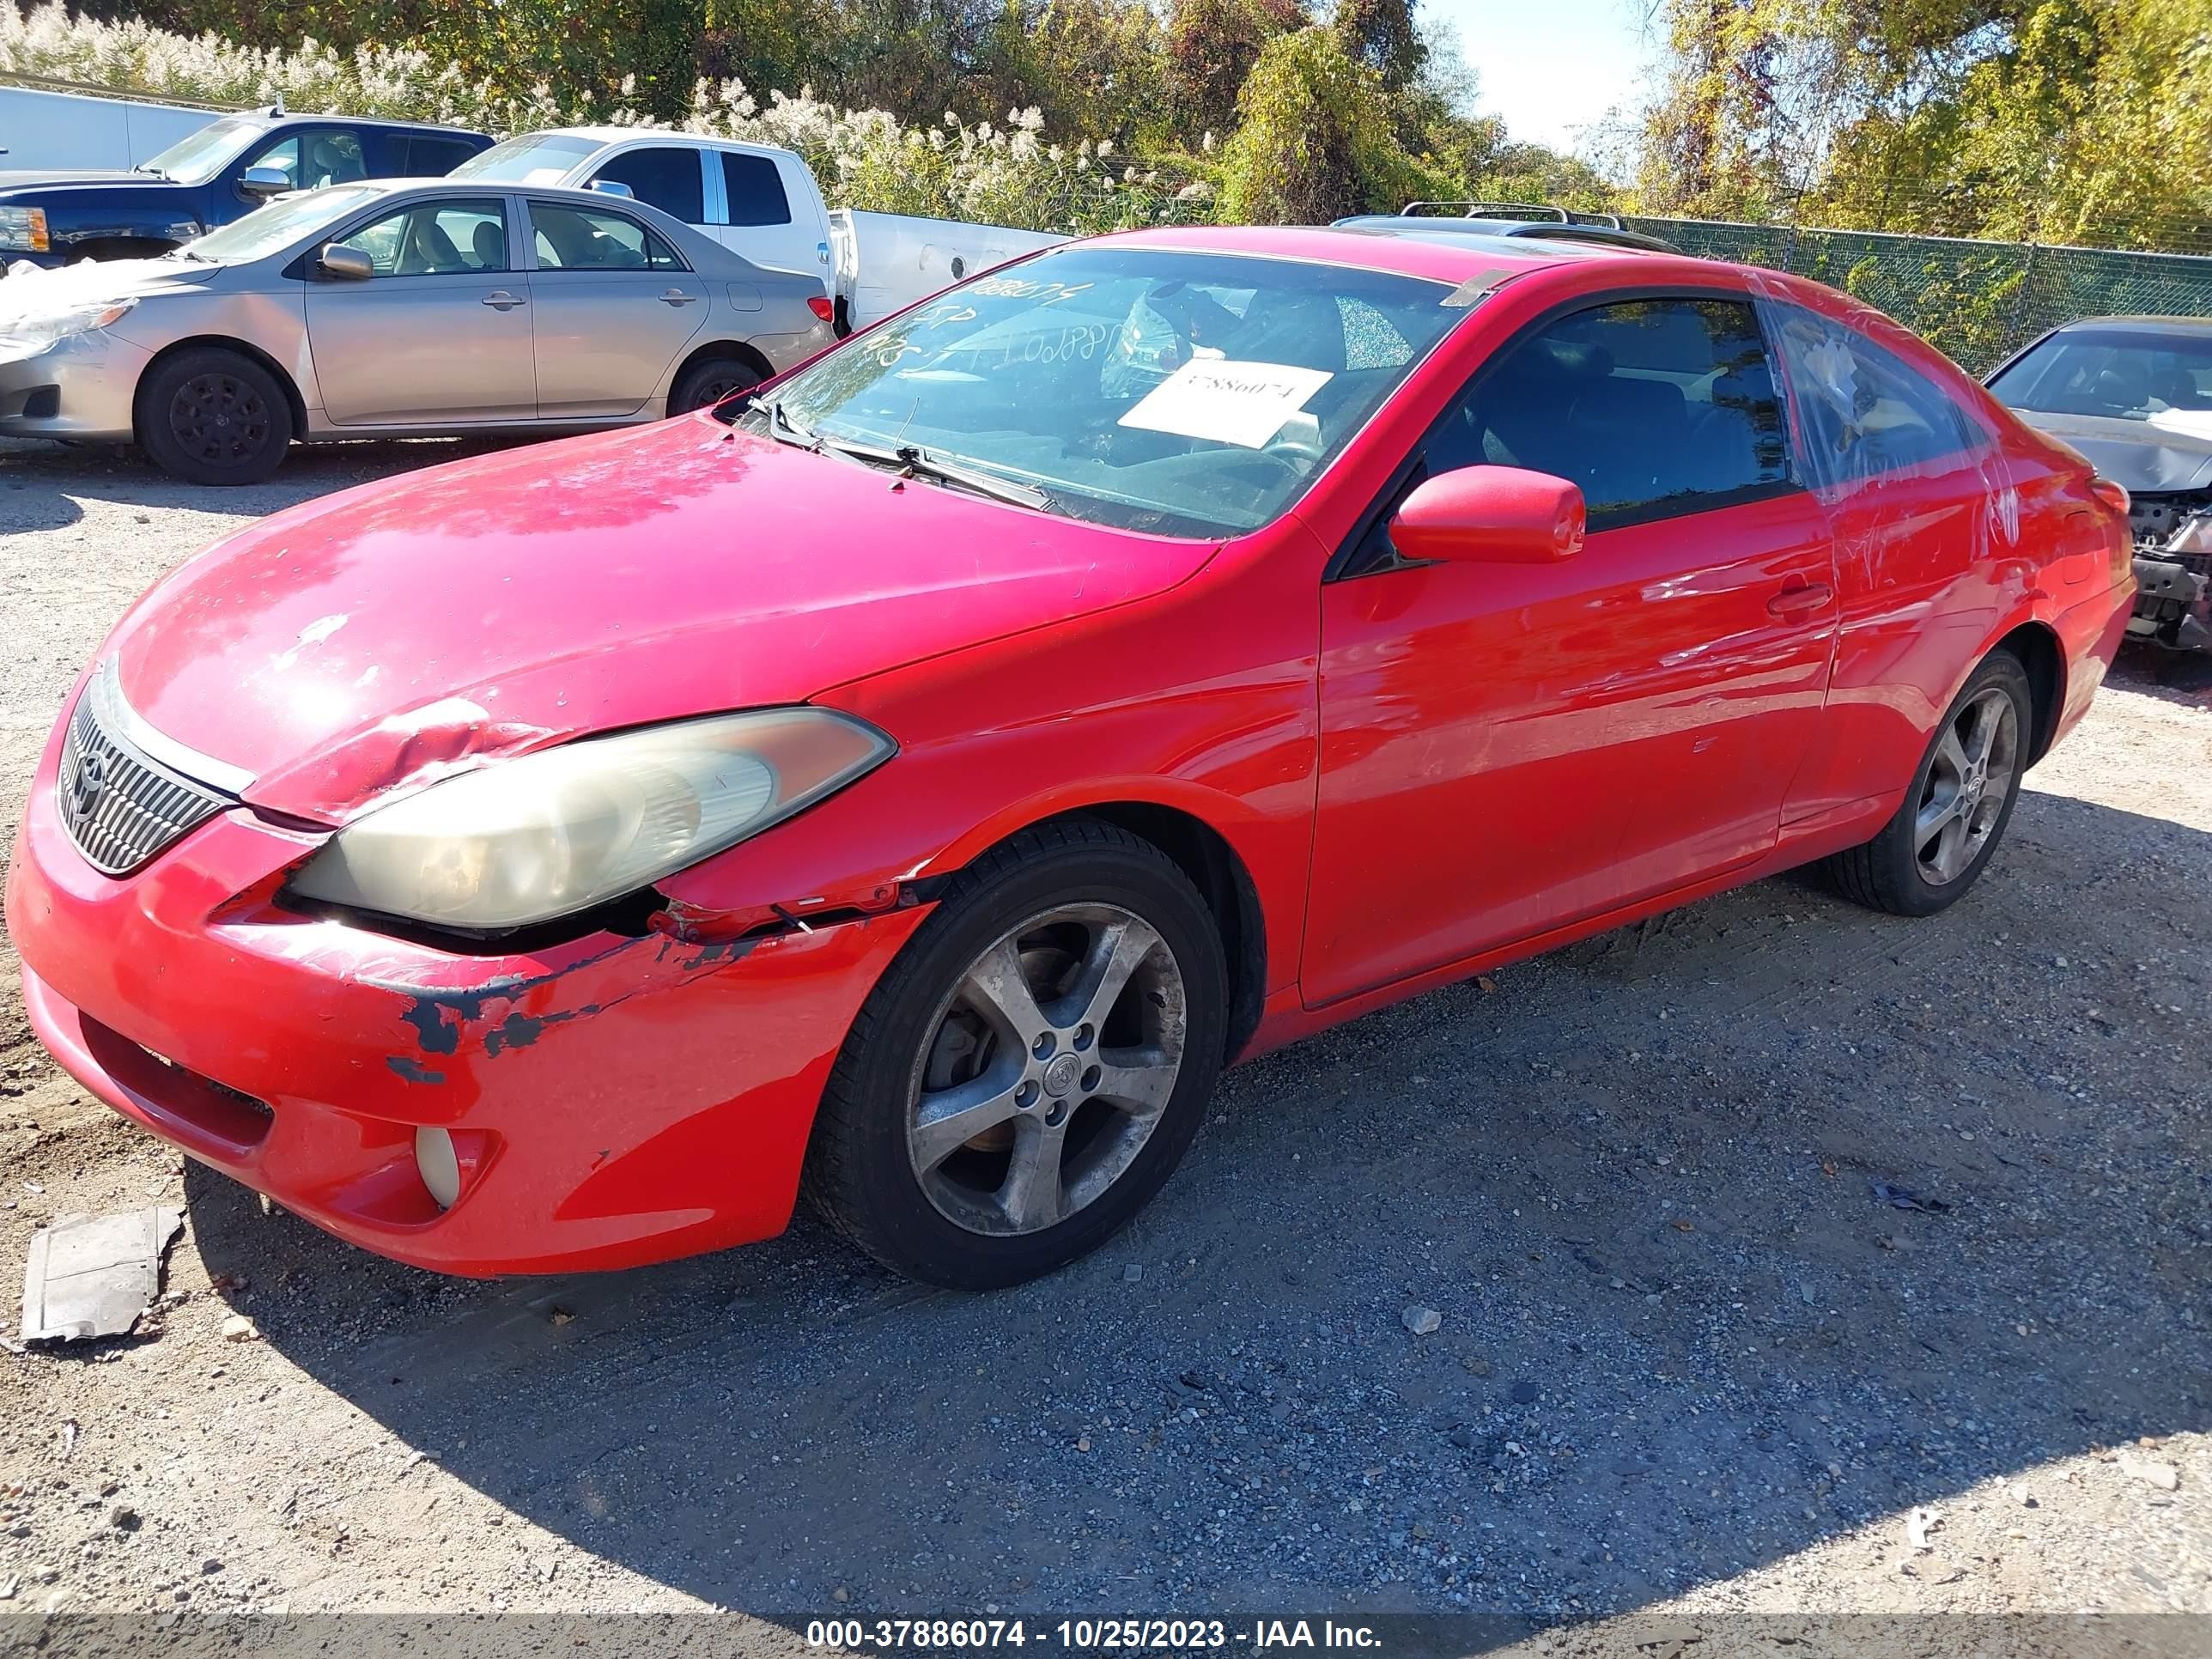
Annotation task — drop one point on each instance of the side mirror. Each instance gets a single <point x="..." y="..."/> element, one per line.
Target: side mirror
<point x="613" y="187"/>
<point x="265" y="182"/>
<point x="348" y="264"/>
<point x="1491" y="515"/>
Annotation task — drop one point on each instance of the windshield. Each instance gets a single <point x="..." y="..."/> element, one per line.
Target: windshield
<point x="197" y="158"/>
<point x="1191" y="393"/>
<point x="2126" y="376"/>
<point x="270" y="229"/>
<point x="528" y="158"/>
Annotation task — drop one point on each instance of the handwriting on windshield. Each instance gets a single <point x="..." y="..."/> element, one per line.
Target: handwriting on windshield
<point x="1017" y="288"/>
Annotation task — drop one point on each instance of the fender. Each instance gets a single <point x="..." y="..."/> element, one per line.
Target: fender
<point x="1233" y="820"/>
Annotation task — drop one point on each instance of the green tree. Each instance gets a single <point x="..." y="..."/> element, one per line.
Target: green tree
<point x="1383" y="35"/>
<point x="1212" y="47"/>
<point x="1316" y="138"/>
<point x="2080" y="120"/>
<point x="1093" y="67"/>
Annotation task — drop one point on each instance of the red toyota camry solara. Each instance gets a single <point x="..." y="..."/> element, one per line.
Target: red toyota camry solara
<point x="914" y="780"/>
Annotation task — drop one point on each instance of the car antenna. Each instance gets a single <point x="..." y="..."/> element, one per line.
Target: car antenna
<point x="277" y="108"/>
<point x="898" y="439"/>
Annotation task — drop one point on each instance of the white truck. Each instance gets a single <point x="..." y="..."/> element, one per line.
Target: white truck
<point x="763" y="203"/>
<point x="43" y="127"/>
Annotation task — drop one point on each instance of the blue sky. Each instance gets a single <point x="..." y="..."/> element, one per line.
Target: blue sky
<point x="1549" y="67"/>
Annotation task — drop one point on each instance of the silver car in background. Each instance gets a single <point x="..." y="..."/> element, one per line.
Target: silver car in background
<point x="396" y="308"/>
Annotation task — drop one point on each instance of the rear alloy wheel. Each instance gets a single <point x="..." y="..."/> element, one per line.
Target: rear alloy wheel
<point x="211" y="417"/>
<point x="1032" y="1067"/>
<point x="704" y="385"/>
<point x="1961" y="799"/>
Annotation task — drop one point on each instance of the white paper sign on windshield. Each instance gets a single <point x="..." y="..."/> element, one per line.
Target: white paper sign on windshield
<point x="1227" y="401"/>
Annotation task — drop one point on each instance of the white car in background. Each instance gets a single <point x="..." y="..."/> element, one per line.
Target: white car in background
<point x="397" y="308"/>
<point x="763" y="203"/>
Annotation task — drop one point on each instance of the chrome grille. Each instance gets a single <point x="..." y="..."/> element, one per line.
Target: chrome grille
<point x="120" y="804"/>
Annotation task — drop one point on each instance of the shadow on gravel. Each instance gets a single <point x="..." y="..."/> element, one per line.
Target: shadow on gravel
<point x="40" y="483"/>
<point x="2183" y="677"/>
<point x="1681" y="1337"/>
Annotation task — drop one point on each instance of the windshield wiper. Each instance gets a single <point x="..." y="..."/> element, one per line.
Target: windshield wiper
<point x="784" y="430"/>
<point x="156" y="172"/>
<point x="916" y="462"/>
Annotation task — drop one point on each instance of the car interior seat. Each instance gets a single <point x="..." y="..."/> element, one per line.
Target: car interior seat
<point x="329" y="163"/>
<point x="563" y="240"/>
<point x="1742" y="417"/>
<point x="429" y="250"/>
<point x="487" y="243"/>
<point x="2122" y="388"/>
<point x="2177" y="388"/>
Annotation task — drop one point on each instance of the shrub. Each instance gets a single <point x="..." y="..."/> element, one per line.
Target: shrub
<point x="1009" y="175"/>
<point x="1315" y="139"/>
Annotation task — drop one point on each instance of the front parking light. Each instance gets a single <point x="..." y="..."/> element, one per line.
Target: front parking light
<point x="23" y="230"/>
<point x="438" y="1165"/>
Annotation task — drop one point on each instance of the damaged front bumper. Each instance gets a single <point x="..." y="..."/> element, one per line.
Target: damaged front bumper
<point x="2173" y="587"/>
<point x="612" y="1101"/>
<point x="2173" y="600"/>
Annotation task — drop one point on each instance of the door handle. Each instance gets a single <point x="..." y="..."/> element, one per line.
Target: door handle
<point x="676" y="296"/>
<point x="501" y="300"/>
<point x="1800" y="600"/>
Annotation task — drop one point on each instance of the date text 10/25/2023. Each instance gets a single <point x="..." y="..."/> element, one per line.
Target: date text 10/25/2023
<point x="1087" y="1635"/>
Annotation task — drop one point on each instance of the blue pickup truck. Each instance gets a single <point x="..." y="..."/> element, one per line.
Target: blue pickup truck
<point x="208" y="178"/>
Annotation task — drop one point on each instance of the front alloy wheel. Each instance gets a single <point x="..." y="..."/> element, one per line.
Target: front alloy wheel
<point x="1052" y="1061"/>
<point x="1031" y="1069"/>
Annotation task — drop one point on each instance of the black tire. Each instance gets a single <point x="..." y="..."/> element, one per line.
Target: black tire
<point x="1892" y="872"/>
<point x="706" y="383"/>
<point x="213" y="416"/>
<point x="862" y="1170"/>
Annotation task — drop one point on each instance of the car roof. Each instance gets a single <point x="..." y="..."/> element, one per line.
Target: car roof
<point x="695" y="245"/>
<point x="1443" y="258"/>
<point x="446" y="184"/>
<point x="270" y="121"/>
<point x="610" y="135"/>
<point x="1571" y="231"/>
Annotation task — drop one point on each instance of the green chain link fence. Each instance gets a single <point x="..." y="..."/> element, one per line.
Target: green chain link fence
<point x="1977" y="302"/>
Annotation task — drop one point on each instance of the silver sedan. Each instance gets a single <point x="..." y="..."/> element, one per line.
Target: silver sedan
<point x="397" y="309"/>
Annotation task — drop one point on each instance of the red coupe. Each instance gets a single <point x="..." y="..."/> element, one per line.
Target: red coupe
<point x="914" y="781"/>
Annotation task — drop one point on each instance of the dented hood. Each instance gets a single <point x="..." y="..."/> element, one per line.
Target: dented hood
<point x="393" y="633"/>
<point x="2146" y="458"/>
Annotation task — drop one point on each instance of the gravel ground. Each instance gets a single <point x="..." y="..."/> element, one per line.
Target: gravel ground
<point x="1686" y="1362"/>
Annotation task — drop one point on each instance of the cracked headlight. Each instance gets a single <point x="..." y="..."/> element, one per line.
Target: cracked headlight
<point x="546" y="835"/>
<point x="28" y="336"/>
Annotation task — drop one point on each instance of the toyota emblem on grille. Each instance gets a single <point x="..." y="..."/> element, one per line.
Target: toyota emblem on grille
<point x="86" y="787"/>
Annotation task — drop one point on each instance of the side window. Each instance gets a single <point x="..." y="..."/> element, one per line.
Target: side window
<point x="312" y="159"/>
<point x="664" y="176"/>
<point x="755" y="189"/>
<point x="1864" y="410"/>
<point x="434" y="158"/>
<point x="581" y="239"/>
<point x="437" y="239"/>
<point x="1653" y="408"/>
